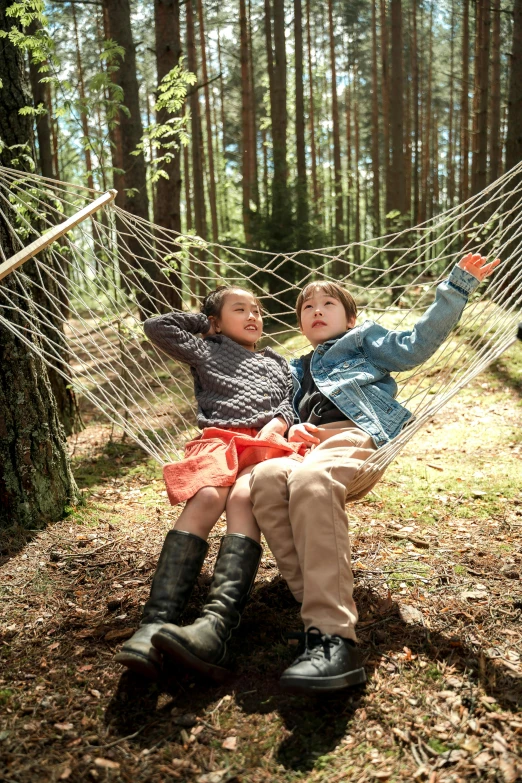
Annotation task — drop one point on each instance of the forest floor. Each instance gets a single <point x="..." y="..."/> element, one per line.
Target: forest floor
<point x="437" y="554"/>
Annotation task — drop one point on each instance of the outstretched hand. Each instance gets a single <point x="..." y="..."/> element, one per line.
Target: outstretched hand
<point x="477" y="265"/>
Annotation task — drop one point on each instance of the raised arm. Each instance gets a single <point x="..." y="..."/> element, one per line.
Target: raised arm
<point x="397" y="351"/>
<point x="176" y="334"/>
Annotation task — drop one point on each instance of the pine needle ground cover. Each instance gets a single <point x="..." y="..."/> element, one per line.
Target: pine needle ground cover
<point x="437" y="555"/>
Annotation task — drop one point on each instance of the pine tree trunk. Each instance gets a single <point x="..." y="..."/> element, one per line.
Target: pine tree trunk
<point x="348" y="125"/>
<point x="253" y="165"/>
<point x="131" y="184"/>
<point x="494" y="97"/>
<point x="416" y="110"/>
<point x="480" y="156"/>
<point x="281" y="213"/>
<point x="224" y="190"/>
<point x="514" y="117"/>
<point x="167" y="204"/>
<point x="42" y="96"/>
<point x="83" y="110"/>
<point x="375" y="128"/>
<point x="311" y="108"/>
<point x="451" y="151"/>
<point x="200" y="215"/>
<point x="246" y="122"/>
<point x="386" y="103"/>
<point x="425" y="199"/>
<point x="464" y="118"/>
<point x="337" y="175"/>
<point x="208" y="118"/>
<point x="302" y="197"/>
<point x="36" y="482"/>
<point x="397" y="110"/>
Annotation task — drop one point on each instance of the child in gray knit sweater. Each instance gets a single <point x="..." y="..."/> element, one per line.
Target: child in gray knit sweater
<point x="244" y="409"/>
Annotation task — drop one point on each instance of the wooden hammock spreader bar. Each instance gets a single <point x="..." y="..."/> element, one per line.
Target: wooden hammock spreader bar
<point x="54" y="233"/>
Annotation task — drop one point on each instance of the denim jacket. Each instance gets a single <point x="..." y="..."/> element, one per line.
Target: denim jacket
<point x="353" y="370"/>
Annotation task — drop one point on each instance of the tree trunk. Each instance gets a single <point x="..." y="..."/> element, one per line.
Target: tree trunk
<point x="224" y="190"/>
<point x="281" y="212"/>
<point x="36" y="482"/>
<point x="42" y="95"/>
<point x="385" y="103"/>
<point x="208" y="117"/>
<point x="83" y="110"/>
<point x="246" y="122"/>
<point x="514" y="117"/>
<point x="425" y="199"/>
<point x="451" y="151"/>
<point x="167" y="204"/>
<point x="494" y="97"/>
<point x="302" y="197"/>
<point x="200" y="215"/>
<point x="311" y="110"/>
<point x="131" y="184"/>
<point x="480" y="157"/>
<point x="348" y="124"/>
<point x="464" y="116"/>
<point x="253" y="165"/>
<point x="397" y="110"/>
<point x="416" y="107"/>
<point x="337" y="176"/>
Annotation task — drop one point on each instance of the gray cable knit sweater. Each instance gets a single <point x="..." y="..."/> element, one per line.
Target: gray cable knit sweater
<point x="234" y="387"/>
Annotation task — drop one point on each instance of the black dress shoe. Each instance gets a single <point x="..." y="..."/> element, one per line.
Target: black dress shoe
<point x="327" y="664"/>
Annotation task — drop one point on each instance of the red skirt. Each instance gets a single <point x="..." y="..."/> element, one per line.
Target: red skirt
<point x="215" y="458"/>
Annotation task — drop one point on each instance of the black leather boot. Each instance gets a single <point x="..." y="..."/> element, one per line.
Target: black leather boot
<point x="178" y="568"/>
<point x="202" y="646"/>
<point x="327" y="663"/>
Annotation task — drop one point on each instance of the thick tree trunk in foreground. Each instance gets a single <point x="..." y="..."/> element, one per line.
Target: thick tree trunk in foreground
<point x="35" y="477"/>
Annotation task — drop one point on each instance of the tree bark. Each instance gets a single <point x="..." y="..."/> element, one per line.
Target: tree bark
<point x="514" y="117"/>
<point x="416" y="108"/>
<point x="385" y="103"/>
<point x="464" y="102"/>
<point x="494" y="97"/>
<point x="480" y="156"/>
<point x="246" y="122"/>
<point x="36" y="482"/>
<point x="42" y="96"/>
<point x="311" y="108"/>
<point x="337" y="176"/>
<point x="200" y="214"/>
<point x="131" y="184"/>
<point x="167" y="204"/>
<point x="451" y="145"/>
<point x="302" y="196"/>
<point x="208" y="118"/>
<point x="397" y="110"/>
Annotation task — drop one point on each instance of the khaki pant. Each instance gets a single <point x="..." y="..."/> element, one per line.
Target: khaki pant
<point x="300" y="509"/>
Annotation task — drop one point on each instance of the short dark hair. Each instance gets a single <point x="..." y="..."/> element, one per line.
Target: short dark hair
<point x="212" y="304"/>
<point x="328" y="289"/>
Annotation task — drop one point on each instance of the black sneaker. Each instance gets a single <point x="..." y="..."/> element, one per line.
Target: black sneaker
<point x="327" y="663"/>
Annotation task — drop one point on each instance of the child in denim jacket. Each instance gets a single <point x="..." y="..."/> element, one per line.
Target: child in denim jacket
<point x="345" y="404"/>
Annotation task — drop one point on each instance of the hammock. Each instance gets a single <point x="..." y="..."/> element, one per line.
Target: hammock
<point x="110" y="270"/>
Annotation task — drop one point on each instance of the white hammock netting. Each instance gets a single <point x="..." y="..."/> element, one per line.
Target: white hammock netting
<point x="112" y="270"/>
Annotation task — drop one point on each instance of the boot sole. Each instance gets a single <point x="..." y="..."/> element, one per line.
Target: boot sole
<point x="139" y="664"/>
<point x="171" y="647"/>
<point x="319" y="685"/>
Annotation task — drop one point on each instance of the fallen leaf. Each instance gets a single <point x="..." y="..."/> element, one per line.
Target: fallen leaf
<point x="106" y="763"/>
<point x="508" y="770"/>
<point x="64" y="726"/>
<point x="86" y="668"/>
<point x="66" y="773"/>
<point x="95" y="693"/>
<point x="230" y="743"/>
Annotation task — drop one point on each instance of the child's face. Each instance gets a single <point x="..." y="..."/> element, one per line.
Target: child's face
<point x="323" y="317"/>
<point x="240" y="318"/>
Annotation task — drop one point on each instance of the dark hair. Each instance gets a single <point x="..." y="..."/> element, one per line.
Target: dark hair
<point x="214" y="300"/>
<point x="328" y="289"/>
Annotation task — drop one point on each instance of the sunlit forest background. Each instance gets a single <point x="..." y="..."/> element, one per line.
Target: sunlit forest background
<point x="305" y="123"/>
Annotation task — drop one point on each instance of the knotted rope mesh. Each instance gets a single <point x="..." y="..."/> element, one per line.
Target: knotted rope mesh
<point x="96" y="285"/>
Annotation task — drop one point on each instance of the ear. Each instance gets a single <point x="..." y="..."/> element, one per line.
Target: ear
<point x="215" y="323"/>
<point x="351" y="323"/>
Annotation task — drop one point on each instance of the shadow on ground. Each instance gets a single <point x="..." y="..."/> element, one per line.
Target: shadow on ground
<point x="313" y="727"/>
